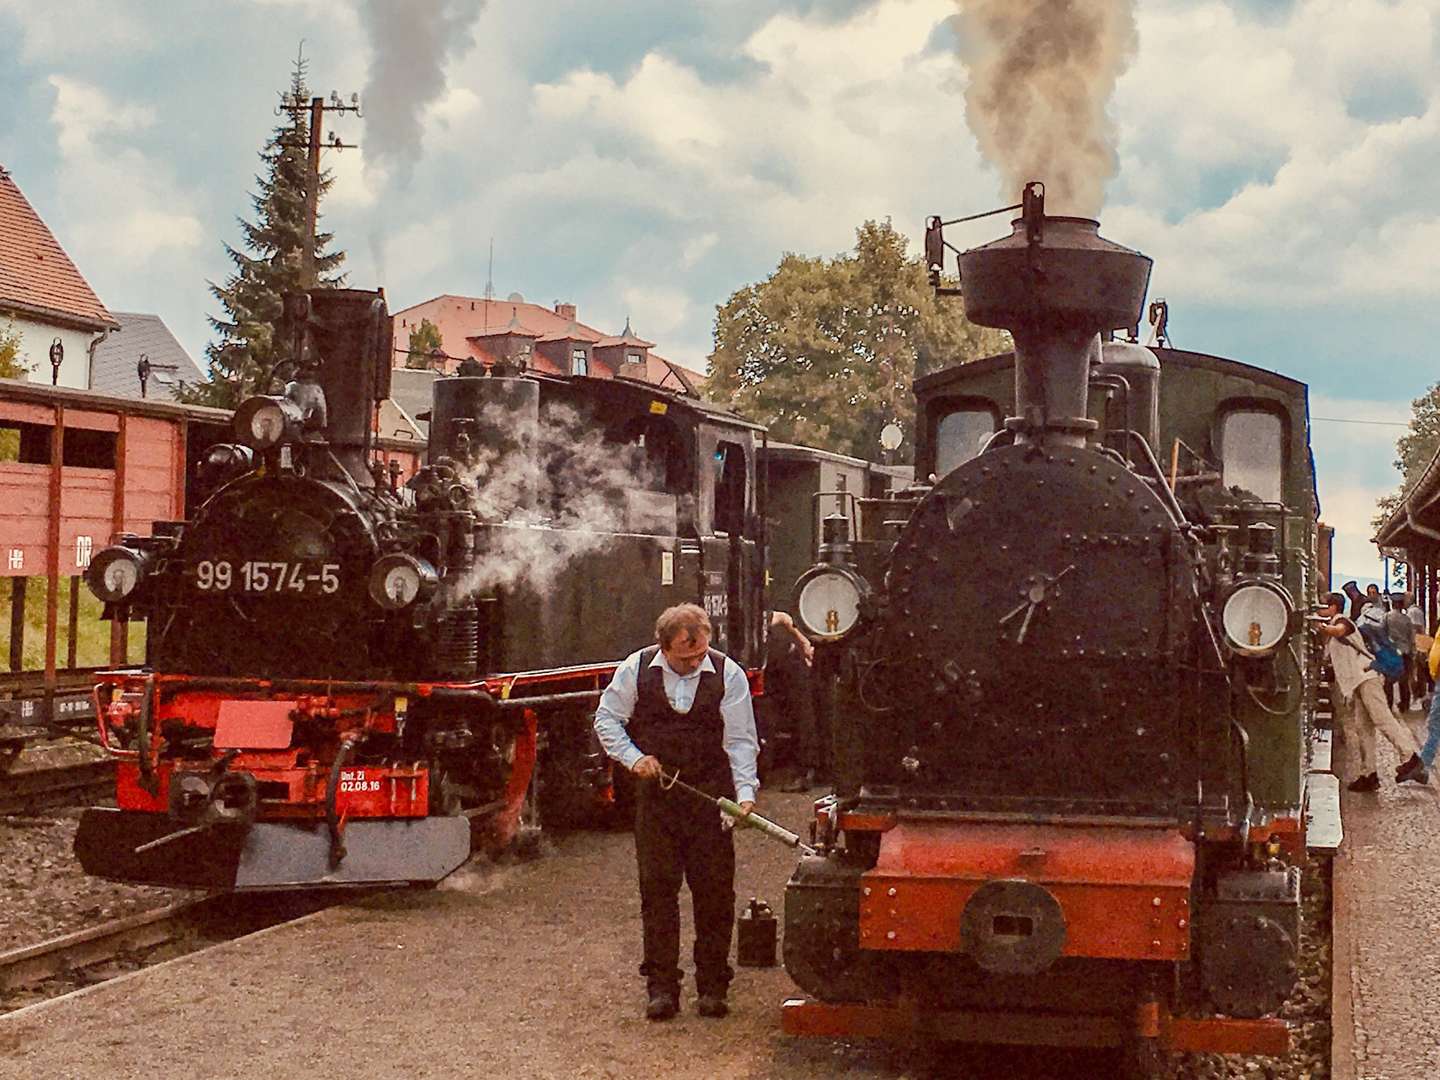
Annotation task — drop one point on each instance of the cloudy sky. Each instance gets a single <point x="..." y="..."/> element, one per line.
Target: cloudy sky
<point x="644" y="158"/>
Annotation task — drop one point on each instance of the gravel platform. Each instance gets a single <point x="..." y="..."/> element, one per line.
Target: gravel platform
<point x="524" y="970"/>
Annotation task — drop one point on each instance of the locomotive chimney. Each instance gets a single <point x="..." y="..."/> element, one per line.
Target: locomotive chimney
<point x="1056" y="285"/>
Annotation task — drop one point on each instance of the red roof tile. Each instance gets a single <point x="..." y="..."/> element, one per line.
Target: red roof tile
<point x="36" y="276"/>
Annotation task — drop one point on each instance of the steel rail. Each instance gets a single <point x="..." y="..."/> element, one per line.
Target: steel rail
<point x="61" y="785"/>
<point x="31" y="964"/>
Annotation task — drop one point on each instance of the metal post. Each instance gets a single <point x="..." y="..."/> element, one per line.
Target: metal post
<point x="72" y="633"/>
<point x="52" y="558"/>
<point x="312" y="190"/>
<point x="17" y="623"/>
<point x="119" y="646"/>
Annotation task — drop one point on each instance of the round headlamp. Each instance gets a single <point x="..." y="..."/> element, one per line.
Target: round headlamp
<point x="1256" y="617"/>
<point x="263" y="422"/>
<point x="398" y="580"/>
<point x="827" y="601"/>
<point x="114" y="574"/>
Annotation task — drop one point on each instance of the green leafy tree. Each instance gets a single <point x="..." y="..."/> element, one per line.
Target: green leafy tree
<point x="11" y="366"/>
<point x="825" y="351"/>
<point x="424" y="339"/>
<point x="271" y="264"/>
<point x="1413" y="451"/>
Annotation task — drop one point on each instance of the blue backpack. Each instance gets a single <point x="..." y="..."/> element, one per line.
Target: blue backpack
<point x="1388" y="662"/>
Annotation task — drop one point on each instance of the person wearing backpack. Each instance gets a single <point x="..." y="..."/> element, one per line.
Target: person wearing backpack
<point x="1400" y="632"/>
<point x="1362" y="689"/>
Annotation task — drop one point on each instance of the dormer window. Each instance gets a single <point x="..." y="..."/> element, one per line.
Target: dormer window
<point x="634" y="358"/>
<point x="579" y="362"/>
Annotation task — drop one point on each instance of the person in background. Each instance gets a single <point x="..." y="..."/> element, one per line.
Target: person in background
<point x="788" y="657"/>
<point x="1400" y="632"/>
<point x="1422" y="681"/>
<point x="1421" y="775"/>
<point x="1361" y="690"/>
<point x="1357" y="598"/>
<point x="1371" y="620"/>
<point x="680" y="708"/>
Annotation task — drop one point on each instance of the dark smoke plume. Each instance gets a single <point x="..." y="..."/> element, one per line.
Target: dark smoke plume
<point x="410" y="43"/>
<point x="1041" y="75"/>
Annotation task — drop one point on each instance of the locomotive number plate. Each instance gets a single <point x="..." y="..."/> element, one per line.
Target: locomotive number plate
<point x="220" y="575"/>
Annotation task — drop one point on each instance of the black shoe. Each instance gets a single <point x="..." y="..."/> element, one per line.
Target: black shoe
<point x="712" y="1005"/>
<point x="1414" y="769"/>
<point x="662" y="1007"/>
<point x="1368" y="782"/>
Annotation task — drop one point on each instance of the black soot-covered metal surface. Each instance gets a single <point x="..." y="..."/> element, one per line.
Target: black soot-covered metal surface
<point x="1041" y="606"/>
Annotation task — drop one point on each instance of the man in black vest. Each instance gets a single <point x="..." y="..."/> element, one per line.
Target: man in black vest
<point x="679" y="706"/>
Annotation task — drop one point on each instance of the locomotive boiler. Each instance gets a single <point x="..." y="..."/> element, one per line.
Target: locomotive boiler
<point x="1069" y="746"/>
<point x="350" y="681"/>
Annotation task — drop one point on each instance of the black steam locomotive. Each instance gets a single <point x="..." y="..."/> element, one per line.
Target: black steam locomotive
<point x="1070" y="751"/>
<point x="350" y="681"/>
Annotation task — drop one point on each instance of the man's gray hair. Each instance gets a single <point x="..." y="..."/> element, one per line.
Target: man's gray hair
<point x="687" y="620"/>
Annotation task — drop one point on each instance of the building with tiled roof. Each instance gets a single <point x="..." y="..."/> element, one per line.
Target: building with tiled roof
<point x="142" y="359"/>
<point x="44" y="299"/>
<point x="550" y="340"/>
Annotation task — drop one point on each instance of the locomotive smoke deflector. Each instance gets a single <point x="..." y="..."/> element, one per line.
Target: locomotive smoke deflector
<point x="1056" y="285"/>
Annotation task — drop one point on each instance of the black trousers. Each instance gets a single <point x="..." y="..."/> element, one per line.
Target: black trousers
<point x="679" y="837"/>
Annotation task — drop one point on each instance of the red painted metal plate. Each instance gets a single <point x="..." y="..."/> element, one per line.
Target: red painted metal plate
<point x="254" y="725"/>
<point x="1124" y="892"/>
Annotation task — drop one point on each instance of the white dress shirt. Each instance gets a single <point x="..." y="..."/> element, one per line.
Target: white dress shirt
<point x="617" y="706"/>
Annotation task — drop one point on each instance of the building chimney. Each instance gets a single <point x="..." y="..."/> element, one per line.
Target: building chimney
<point x="565" y="311"/>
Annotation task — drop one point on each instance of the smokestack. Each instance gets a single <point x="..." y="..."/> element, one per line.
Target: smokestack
<point x="1056" y="285"/>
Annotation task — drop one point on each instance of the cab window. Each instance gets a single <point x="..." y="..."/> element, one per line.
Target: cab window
<point x="1252" y="452"/>
<point x="959" y="436"/>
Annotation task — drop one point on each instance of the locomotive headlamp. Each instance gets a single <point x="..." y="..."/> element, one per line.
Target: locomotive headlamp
<point x="827" y="601"/>
<point x="1256" y="617"/>
<point x="397" y="580"/>
<point x="263" y="422"/>
<point x="114" y="574"/>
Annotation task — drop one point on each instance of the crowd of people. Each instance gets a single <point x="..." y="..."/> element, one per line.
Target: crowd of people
<point x="1382" y="658"/>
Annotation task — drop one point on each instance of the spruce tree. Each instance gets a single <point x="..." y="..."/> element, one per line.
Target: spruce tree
<point x="271" y="264"/>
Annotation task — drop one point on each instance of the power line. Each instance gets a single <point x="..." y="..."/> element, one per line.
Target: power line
<point x="1378" y="423"/>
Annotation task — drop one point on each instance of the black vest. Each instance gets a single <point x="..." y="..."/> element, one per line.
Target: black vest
<point x="693" y="742"/>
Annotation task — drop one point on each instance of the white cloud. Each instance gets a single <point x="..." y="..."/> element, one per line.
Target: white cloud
<point x="659" y="311"/>
<point x="1328" y="210"/>
<point x="78" y="29"/>
<point x="123" y="206"/>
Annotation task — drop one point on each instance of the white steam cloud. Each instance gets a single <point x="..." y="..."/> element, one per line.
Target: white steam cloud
<point x="410" y="44"/>
<point x="557" y="497"/>
<point x="1041" y="76"/>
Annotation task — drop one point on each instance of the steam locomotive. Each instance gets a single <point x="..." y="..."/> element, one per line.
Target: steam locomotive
<point x="349" y="681"/>
<point x="1070" y="750"/>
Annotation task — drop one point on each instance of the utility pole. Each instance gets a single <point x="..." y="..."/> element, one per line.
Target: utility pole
<point x="317" y="107"/>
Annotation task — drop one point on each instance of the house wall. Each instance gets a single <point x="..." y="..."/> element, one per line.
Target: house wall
<point x="35" y="339"/>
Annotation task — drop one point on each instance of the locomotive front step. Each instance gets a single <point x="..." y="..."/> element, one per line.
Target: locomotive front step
<point x="267" y="855"/>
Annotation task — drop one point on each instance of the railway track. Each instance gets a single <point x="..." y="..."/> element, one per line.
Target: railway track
<point x="97" y="954"/>
<point x="26" y="791"/>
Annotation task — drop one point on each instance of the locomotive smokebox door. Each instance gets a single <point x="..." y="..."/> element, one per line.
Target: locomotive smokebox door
<point x="756" y="938"/>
